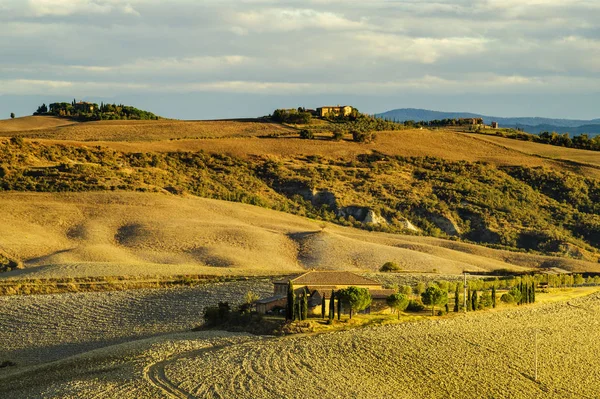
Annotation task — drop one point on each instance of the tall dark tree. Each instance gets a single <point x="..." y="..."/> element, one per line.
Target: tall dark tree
<point x="493" y="296"/>
<point x="299" y="308"/>
<point x="304" y="306"/>
<point x="533" y="292"/>
<point x="291" y="299"/>
<point x="12" y="115"/>
<point x="469" y="302"/>
<point x="323" y="307"/>
<point x="474" y="300"/>
<point x="332" y="306"/>
<point x="456" y="299"/>
<point x="339" y="305"/>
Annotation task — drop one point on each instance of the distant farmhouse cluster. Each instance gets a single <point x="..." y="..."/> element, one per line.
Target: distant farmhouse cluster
<point x="319" y="285"/>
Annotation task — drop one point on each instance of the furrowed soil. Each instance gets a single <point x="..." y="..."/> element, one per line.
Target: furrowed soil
<point x="37" y="329"/>
<point x="484" y="354"/>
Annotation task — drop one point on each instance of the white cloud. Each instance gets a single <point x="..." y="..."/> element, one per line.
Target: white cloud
<point x="285" y="20"/>
<point x="41" y="8"/>
<point x="425" y="50"/>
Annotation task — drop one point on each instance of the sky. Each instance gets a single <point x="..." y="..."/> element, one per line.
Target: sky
<point x="241" y="58"/>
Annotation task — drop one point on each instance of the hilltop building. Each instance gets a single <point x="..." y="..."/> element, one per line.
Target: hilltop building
<point x="83" y="106"/>
<point x="343" y="110"/>
<point x="495" y="125"/>
<point x="318" y="285"/>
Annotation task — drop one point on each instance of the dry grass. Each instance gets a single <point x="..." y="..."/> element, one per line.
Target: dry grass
<point x="128" y="131"/>
<point x="141" y="234"/>
<point x="29" y="124"/>
<point x="546" y="150"/>
<point x="173" y="135"/>
<point x="483" y="354"/>
<point x="448" y="145"/>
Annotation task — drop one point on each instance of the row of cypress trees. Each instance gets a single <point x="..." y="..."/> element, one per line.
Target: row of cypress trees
<point x="297" y="308"/>
<point x="472" y="299"/>
<point x="527" y="293"/>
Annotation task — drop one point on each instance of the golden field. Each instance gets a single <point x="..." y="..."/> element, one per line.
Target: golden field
<point x="39" y="127"/>
<point x="246" y="138"/>
<point x="482" y="354"/>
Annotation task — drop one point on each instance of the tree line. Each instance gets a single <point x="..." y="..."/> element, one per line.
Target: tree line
<point x="582" y="142"/>
<point x="84" y="111"/>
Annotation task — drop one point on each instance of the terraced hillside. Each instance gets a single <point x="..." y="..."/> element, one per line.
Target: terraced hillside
<point x="487" y="354"/>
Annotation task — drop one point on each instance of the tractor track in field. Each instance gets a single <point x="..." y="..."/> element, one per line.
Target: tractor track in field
<point x="155" y="373"/>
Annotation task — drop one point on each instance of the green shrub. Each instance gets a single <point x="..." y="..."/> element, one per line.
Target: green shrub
<point x="363" y="137"/>
<point x="337" y="135"/>
<point x="389" y="267"/>
<point x="415" y="305"/>
<point x="307" y="134"/>
<point x="507" y="298"/>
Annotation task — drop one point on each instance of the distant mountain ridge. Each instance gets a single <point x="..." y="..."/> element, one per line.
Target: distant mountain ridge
<point x="529" y="124"/>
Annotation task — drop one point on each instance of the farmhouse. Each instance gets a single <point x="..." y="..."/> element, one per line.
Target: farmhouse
<point x="84" y="106"/>
<point x="343" y="110"/>
<point x="318" y="285"/>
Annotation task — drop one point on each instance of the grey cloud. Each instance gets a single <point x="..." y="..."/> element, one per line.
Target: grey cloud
<point x="275" y="47"/>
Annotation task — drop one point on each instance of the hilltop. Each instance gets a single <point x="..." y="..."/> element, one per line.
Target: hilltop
<point x="87" y="111"/>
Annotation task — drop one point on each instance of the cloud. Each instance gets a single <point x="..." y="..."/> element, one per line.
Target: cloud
<point x="299" y="46"/>
<point x="425" y="50"/>
<point x="42" y="8"/>
<point x="282" y="19"/>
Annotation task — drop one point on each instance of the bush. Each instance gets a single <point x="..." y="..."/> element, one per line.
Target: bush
<point x="507" y="298"/>
<point x="306" y="134"/>
<point x="389" y="267"/>
<point x="337" y="135"/>
<point x="485" y="301"/>
<point x="415" y="305"/>
<point x="363" y="137"/>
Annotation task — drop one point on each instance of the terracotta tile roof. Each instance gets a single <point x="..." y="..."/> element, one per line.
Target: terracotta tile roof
<point x="381" y="294"/>
<point x="332" y="278"/>
<point x="270" y="299"/>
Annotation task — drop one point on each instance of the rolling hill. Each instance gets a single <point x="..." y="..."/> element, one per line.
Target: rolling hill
<point x="407" y="185"/>
<point x="127" y="234"/>
<point x="529" y="124"/>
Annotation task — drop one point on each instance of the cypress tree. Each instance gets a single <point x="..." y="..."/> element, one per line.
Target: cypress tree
<point x="493" y="296"/>
<point x="339" y="309"/>
<point x="456" y="299"/>
<point x="469" y="300"/>
<point x="474" y="300"/>
<point x="533" y="292"/>
<point x="291" y="299"/>
<point x="299" y="309"/>
<point x="304" y="306"/>
<point x="323" y="307"/>
<point x="332" y="306"/>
